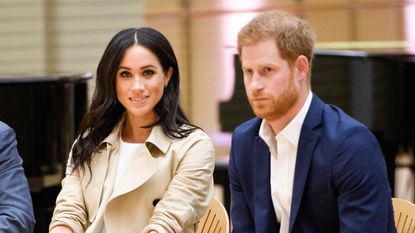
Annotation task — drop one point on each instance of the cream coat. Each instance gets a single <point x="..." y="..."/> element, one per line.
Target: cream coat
<point x="178" y="172"/>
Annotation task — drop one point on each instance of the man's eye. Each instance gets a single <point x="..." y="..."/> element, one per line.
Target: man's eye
<point x="248" y="72"/>
<point x="267" y="69"/>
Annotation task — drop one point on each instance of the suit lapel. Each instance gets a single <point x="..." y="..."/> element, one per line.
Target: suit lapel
<point x="264" y="210"/>
<point x="307" y="142"/>
<point x="304" y="157"/>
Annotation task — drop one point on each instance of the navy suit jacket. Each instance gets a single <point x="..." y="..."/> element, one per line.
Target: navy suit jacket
<point x="340" y="181"/>
<point x="16" y="211"/>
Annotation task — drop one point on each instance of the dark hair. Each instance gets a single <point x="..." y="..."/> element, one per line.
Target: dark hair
<point x="106" y="111"/>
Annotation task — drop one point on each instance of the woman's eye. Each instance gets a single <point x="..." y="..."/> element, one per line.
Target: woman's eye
<point x="148" y="72"/>
<point x="125" y="74"/>
<point x="267" y="69"/>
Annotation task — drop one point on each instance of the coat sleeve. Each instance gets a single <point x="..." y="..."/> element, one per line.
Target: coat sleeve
<point x="241" y="216"/>
<point x="190" y="191"/>
<point x="16" y="210"/>
<point x="70" y="207"/>
<point x="364" y="199"/>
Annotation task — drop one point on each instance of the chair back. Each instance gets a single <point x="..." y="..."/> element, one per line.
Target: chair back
<point x="216" y="219"/>
<point x="404" y="214"/>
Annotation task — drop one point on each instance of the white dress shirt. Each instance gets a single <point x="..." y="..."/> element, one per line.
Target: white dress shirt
<point x="283" y="148"/>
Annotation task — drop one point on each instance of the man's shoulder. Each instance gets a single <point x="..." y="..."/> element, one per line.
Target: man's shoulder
<point x="7" y="146"/>
<point x="248" y="127"/>
<point x="331" y="115"/>
<point x="5" y="129"/>
<point x="334" y="116"/>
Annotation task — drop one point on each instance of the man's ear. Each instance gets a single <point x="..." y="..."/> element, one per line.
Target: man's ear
<point x="301" y="66"/>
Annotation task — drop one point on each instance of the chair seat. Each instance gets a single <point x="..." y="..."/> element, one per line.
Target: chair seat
<point x="216" y="219"/>
<point x="404" y="214"/>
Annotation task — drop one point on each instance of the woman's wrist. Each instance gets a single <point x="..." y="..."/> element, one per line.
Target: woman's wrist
<point x="61" y="229"/>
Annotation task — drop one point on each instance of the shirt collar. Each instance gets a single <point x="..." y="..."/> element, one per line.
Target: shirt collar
<point x="266" y="133"/>
<point x="159" y="139"/>
<point x="291" y="131"/>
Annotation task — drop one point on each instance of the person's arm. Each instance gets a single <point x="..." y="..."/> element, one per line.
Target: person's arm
<point x="70" y="209"/>
<point x="240" y="213"/>
<point x="16" y="210"/>
<point x="190" y="191"/>
<point x="61" y="229"/>
<point x="364" y="200"/>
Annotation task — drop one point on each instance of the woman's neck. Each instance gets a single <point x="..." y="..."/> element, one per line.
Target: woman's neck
<point x="134" y="134"/>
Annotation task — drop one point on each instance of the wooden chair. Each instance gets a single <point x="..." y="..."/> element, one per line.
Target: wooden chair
<point x="216" y="219"/>
<point x="404" y="214"/>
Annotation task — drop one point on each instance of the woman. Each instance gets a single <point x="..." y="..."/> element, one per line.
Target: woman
<point x="138" y="165"/>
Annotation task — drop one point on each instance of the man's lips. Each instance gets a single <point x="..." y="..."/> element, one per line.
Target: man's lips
<point x="259" y="98"/>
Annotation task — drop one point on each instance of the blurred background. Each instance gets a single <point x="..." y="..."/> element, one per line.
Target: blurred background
<point x="49" y="51"/>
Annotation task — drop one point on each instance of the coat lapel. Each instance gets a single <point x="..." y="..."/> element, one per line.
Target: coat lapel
<point x="264" y="210"/>
<point x="307" y="142"/>
<point x="143" y="166"/>
<point x="99" y="166"/>
<point x="139" y="171"/>
<point x="94" y="186"/>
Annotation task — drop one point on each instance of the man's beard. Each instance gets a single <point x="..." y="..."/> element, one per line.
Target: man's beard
<point x="280" y="106"/>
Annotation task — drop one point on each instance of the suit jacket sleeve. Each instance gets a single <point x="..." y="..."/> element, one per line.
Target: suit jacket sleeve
<point x="360" y="178"/>
<point x="241" y="218"/>
<point x="16" y="210"/>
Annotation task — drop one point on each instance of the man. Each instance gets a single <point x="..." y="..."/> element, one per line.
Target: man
<point x="301" y="166"/>
<point x="16" y="211"/>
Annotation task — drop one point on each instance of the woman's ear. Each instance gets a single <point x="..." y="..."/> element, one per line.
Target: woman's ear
<point x="302" y="66"/>
<point x="168" y="76"/>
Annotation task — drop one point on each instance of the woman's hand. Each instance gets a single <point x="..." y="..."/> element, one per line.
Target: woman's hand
<point x="61" y="229"/>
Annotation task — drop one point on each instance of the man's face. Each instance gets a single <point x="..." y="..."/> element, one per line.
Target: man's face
<point x="270" y="84"/>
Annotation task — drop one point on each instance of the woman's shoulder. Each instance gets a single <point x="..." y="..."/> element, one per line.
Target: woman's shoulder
<point x="197" y="141"/>
<point x="194" y="136"/>
<point x="195" y="132"/>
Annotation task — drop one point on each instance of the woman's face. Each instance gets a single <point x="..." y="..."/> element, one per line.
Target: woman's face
<point x="140" y="83"/>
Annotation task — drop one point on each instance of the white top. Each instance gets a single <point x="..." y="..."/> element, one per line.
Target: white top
<point x="283" y="148"/>
<point x="126" y="151"/>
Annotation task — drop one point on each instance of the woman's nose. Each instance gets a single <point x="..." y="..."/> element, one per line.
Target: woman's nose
<point x="137" y="83"/>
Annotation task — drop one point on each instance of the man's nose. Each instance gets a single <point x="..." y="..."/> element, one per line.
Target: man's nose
<point x="257" y="82"/>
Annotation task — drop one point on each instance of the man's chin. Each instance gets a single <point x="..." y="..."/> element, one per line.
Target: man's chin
<point x="260" y="114"/>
